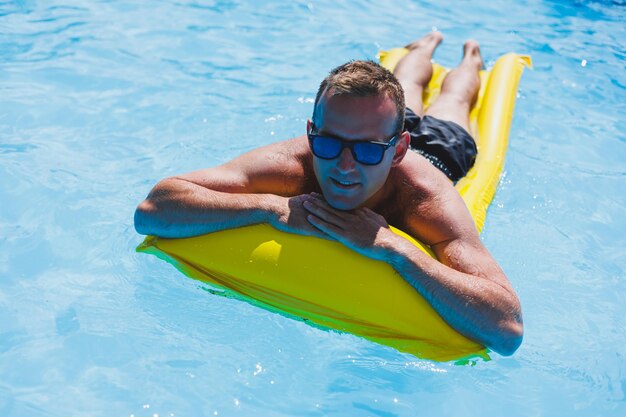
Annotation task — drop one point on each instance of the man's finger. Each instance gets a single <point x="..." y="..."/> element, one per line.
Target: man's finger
<point x="329" y="229"/>
<point x="323" y="212"/>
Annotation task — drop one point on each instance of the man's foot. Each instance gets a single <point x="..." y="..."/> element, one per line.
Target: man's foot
<point x="428" y="43"/>
<point x="471" y="55"/>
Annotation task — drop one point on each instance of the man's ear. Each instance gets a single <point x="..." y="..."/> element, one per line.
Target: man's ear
<point x="308" y="125"/>
<point x="401" y="148"/>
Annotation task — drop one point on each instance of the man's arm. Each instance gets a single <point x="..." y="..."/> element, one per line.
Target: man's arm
<point x="256" y="187"/>
<point x="178" y="207"/>
<point x="465" y="285"/>
<point x="467" y="288"/>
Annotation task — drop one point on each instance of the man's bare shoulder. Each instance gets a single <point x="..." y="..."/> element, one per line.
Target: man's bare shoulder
<point x="431" y="209"/>
<point x="417" y="182"/>
<point x="282" y="168"/>
<point x="291" y="156"/>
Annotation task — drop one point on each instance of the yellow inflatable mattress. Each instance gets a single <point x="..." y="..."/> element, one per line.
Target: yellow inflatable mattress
<point x="330" y="286"/>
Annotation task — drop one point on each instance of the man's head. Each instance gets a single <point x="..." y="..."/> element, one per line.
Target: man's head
<point x="363" y="79"/>
<point x="358" y="101"/>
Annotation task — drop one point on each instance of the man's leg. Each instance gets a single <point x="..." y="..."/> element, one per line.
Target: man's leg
<point x="459" y="89"/>
<point x="415" y="70"/>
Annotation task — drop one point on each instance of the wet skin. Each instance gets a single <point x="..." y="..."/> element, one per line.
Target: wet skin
<point x="345" y="183"/>
<point x="284" y="185"/>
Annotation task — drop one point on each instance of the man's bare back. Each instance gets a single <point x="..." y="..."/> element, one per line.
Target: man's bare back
<point x="351" y="176"/>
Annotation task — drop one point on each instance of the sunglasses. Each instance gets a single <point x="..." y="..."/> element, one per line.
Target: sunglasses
<point x="366" y="152"/>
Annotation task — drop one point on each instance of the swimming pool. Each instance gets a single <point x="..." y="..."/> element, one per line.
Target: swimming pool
<point x="99" y="100"/>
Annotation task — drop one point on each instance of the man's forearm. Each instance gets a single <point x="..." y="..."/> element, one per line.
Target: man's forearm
<point x="177" y="208"/>
<point x="477" y="307"/>
<point x="481" y="304"/>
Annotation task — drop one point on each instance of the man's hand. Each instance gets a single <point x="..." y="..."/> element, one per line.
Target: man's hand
<point x="289" y="215"/>
<point x="362" y="230"/>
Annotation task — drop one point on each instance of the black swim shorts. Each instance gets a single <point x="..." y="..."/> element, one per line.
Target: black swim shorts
<point x="445" y="144"/>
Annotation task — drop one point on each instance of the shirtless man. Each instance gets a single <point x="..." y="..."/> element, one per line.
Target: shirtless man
<point x="358" y="169"/>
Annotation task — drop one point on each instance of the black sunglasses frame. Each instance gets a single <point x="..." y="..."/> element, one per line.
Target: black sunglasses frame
<point x="311" y="135"/>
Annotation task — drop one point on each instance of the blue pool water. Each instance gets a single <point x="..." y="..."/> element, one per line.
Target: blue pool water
<point x="99" y="100"/>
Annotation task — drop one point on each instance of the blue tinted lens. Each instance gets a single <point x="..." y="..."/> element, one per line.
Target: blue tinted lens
<point x="328" y="147"/>
<point x="325" y="147"/>
<point x="368" y="153"/>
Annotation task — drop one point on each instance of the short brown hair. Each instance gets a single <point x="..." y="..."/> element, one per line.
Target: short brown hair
<point x="364" y="79"/>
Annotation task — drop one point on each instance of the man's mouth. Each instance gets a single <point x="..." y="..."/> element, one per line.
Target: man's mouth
<point x="345" y="185"/>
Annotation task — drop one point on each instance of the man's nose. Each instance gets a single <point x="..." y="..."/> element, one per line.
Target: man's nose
<point x="346" y="161"/>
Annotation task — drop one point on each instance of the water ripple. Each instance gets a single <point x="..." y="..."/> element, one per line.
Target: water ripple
<point x="102" y="99"/>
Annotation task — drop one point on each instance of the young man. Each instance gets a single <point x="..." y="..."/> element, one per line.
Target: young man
<point x="357" y="170"/>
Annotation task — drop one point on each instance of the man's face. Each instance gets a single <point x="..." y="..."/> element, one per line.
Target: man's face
<point x="346" y="183"/>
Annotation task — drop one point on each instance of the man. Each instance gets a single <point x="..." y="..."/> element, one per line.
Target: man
<point x="358" y="169"/>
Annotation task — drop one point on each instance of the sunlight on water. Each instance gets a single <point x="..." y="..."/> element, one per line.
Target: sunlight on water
<point x="99" y="100"/>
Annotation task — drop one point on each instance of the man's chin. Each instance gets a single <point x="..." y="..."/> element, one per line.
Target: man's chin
<point x="341" y="204"/>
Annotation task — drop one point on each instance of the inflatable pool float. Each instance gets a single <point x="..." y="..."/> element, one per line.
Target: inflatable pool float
<point x="330" y="286"/>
